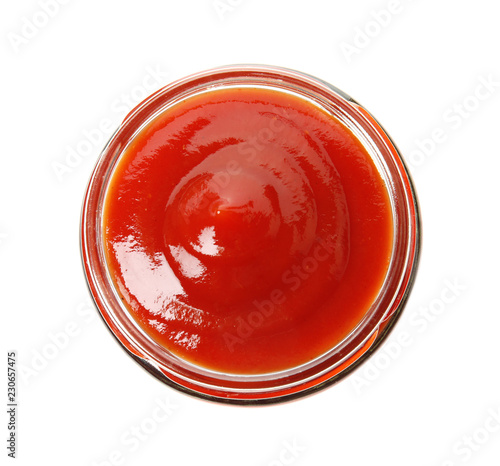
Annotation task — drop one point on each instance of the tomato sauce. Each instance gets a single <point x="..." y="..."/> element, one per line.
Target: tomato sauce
<point x="247" y="230"/>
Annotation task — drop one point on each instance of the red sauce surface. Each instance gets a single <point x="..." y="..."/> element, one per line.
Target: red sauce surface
<point x="247" y="230"/>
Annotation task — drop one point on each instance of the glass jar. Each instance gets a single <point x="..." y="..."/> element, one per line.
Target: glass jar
<point x="344" y="357"/>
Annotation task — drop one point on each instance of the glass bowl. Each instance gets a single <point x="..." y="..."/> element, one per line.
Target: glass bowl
<point x="340" y="360"/>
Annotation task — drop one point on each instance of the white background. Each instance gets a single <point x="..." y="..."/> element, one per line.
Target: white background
<point x="433" y="401"/>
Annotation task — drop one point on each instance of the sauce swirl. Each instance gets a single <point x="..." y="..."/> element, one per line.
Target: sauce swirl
<point x="247" y="230"/>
